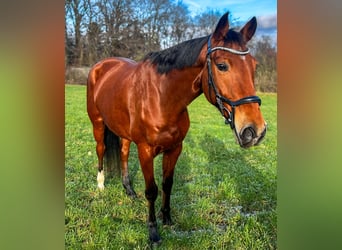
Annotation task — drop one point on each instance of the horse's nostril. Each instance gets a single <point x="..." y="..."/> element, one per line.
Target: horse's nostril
<point x="248" y="134"/>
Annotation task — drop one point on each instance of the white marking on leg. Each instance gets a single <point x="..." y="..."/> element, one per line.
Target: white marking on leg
<point x="100" y="180"/>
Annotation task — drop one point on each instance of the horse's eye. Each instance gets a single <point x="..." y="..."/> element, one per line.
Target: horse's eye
<point x="222" y="66"/>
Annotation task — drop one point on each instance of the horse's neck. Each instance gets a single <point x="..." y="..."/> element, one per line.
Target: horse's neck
<point x="182" y="87"/>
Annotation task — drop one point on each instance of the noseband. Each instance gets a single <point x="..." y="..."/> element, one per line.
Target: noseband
<point x="221" y="99"/>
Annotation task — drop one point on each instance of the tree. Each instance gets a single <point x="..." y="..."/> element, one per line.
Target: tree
<point x="156" y="23"/>
<point x="94" y="46"/>
<point x="97" y="29"/>
<point x="115" y="17"/>
<point x="266" y="56"/>
<point x="179" y="22"/>
<point x="75" y="12"/>
<point x="206" y="21"/>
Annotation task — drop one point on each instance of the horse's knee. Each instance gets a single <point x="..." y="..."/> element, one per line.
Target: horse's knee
<point x="151" y="193"/>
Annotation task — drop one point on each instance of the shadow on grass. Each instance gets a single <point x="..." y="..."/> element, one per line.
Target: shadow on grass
<point x="252" y="194"/>
<point x="255" y="189"/>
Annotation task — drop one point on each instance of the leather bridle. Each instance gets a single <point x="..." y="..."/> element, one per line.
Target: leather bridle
<point x="221" y="99"/>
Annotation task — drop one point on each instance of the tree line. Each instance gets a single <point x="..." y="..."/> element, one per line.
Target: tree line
<point x="96" y="29"/>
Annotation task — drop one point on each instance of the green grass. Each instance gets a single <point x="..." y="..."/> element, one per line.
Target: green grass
<point x="224" y="197"/>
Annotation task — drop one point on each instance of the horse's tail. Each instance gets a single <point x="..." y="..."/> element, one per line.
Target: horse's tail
<point x="112" y="164"/>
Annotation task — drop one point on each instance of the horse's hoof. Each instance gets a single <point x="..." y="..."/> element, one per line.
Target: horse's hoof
<point x="165" y="215"/>
<point x="153" y="234"/>
<point x="131" y="194"/>
<point x="156" y="241"/>
<point x="167" y="222"/>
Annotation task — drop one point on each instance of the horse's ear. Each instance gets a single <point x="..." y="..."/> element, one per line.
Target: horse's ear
<point x="221" y="28"/>
<point x="249" y="29"/>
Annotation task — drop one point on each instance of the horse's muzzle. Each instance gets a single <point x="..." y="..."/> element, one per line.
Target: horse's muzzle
<point x="248" y="136"/>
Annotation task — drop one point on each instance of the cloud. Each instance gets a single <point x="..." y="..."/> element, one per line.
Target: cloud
<point x="267" y="25"/>
<point x="192" y="4"/>
<point x="267" y="22"/>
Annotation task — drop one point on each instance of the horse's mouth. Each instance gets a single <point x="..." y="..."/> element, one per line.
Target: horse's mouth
<point x="248" y="137"/>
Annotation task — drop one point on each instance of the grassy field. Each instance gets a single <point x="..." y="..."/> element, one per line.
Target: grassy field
<point x="224" y="197"/>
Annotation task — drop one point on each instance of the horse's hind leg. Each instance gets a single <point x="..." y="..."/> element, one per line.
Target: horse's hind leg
<point x="125" y="144"/>
<point x="99" y="130"/>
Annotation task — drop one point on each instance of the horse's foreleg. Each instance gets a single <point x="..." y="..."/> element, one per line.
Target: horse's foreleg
<point x="125" y="144"/>
<point x="169" y="162"/>
<point x="146" y="156"/>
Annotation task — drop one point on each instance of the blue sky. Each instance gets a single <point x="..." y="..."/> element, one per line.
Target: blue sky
<point x="264" y="10"/>
<point x="243" y="9"/>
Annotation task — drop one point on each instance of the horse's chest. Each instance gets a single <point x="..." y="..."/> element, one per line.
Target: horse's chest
<point x="166" y="137"/>
<point x="165" y="134"/>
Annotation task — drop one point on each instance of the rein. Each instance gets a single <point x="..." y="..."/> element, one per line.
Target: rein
<point x="221" y="99"/>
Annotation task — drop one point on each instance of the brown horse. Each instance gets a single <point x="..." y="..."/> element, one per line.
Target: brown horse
<point x="146" y="102"/>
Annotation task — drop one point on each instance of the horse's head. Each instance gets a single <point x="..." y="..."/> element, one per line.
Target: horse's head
<point x="229" y="81"/>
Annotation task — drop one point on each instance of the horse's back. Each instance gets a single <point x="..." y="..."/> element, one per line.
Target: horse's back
<point x="103" y="67"/>
<point x="99" y="71"/>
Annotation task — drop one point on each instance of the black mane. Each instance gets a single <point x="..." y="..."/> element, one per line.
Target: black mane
<point x="186" y="53"/>
<point x="177" y="57"/>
